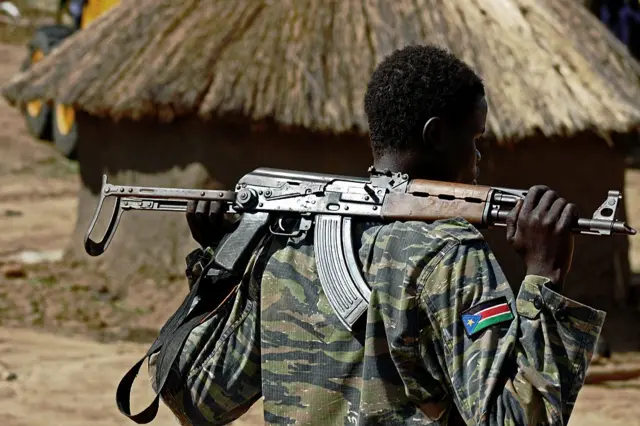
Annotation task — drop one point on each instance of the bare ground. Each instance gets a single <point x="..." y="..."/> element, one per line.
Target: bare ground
<point x="69" y="378"/>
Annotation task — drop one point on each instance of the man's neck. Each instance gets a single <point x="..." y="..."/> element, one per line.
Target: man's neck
<point x="406" y="162"/>
<point x="399" y="163"/>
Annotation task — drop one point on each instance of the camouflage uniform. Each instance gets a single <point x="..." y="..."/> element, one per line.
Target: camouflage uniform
<point x="414" y="361"/>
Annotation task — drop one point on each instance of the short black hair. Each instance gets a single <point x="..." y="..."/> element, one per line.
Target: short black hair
<point x="410" y="86"/>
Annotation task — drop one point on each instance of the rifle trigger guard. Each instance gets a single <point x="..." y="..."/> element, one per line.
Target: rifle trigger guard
<point x="280" y="228"/>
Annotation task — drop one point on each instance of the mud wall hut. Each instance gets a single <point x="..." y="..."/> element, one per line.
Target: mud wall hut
<point x="195" y="94"/>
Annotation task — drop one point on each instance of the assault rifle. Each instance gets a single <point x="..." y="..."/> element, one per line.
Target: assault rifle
<point x="290" y="203"/>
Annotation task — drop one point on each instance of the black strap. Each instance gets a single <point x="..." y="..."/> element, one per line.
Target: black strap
<point x="170" y="342"/>
<point x="222" y="271"/>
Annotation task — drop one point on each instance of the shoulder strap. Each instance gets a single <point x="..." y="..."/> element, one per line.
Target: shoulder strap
<point x="171" y="340"/>
<point x="177" y="329"/>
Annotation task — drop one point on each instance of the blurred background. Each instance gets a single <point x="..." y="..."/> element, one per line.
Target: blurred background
<point x="196" y="94"/>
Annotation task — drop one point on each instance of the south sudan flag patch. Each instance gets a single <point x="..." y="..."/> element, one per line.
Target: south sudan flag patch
<point x="486" y="314"/>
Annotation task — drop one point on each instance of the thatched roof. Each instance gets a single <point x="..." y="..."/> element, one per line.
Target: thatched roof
<point x="549" y="64"/>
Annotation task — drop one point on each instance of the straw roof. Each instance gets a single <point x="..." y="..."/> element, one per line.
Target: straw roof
<point x="549" y="65"/>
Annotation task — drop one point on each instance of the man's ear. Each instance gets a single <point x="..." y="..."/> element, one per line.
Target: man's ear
<point x="433" y="134"/>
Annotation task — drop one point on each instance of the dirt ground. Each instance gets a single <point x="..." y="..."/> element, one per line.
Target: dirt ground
<point x="61" y="332"/>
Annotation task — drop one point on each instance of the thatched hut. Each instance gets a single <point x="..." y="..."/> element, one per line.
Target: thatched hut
<point x="195" y="94"/>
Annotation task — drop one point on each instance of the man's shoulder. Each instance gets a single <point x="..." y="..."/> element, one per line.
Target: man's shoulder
<point x="440" y="232"/>
<point x="414" y="243"/>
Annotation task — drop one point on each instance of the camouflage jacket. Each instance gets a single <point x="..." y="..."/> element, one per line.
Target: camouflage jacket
<point x="445" y="341"/>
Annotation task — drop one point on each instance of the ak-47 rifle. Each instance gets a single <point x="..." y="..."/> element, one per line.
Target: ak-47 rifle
<point x="266" y="198"/>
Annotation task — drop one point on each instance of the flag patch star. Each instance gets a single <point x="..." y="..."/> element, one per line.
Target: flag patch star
<point x="486" y="314"/>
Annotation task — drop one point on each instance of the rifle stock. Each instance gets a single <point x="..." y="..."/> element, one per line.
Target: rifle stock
<point x="270" y="198"/>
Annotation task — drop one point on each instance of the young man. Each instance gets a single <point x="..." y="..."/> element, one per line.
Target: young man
<point x="445" y="341"/>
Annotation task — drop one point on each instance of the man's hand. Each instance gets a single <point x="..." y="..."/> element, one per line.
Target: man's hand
<point x="206" y="222"/>
<point x="539" y="229"/>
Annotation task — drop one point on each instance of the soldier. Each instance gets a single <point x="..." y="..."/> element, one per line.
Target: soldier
<point x="445" y="340"/>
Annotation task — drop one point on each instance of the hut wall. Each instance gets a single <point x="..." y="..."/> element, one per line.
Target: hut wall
<point x="212" y="155"/>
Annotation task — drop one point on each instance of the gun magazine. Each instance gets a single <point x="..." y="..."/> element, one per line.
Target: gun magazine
<point x="340" y="277"/>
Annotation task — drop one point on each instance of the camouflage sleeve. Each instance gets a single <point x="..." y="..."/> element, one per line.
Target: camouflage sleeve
<point x="508" y="362"/>
<point x="217" y="375"/>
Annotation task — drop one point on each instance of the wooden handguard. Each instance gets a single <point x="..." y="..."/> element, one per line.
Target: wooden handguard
<point x="427" y="200"/>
